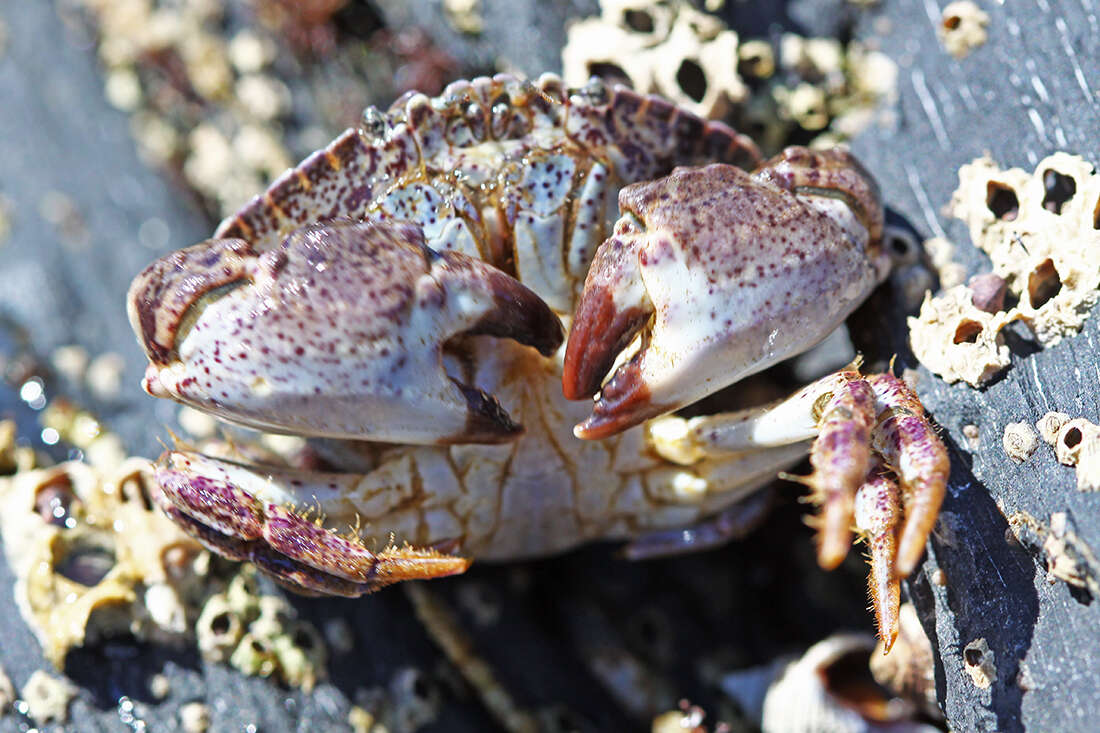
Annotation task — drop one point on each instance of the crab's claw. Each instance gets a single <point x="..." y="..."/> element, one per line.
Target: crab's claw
<point x="340" y="332"/>
<point x="713" y="274"/>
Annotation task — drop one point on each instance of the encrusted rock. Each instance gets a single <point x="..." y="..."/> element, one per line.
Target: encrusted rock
<point x="1057" y="545"/>
<point x="669" y="48"/>
<point x="260" y="634"/>
<point x="92" y="559"/>
<point x="958" y="341"/>
<point x="1039" y="231"/>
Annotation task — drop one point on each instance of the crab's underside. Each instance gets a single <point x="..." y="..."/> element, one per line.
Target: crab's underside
<point x="408" y="291"/>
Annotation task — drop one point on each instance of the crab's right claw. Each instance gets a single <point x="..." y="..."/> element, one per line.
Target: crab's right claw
<point x="339" y="332"/>
<point x="716" y="273"/>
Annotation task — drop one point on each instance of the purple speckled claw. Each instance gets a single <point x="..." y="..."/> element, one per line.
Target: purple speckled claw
<point x="339" y="332"/>
<point x="792" y="246"/>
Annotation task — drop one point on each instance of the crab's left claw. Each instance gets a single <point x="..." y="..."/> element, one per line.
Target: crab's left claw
<point x="715" y="274"/>
<point x="342" y="331"/>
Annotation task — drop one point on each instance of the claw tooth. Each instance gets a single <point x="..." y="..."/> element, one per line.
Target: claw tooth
<point x="486" y="420"/>
<point x="624" y="401"/>
<point x="613" y="308"/>
<point x="517" y="312"/>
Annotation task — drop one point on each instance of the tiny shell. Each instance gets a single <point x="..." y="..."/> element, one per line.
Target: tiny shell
<point x="962" y="28"/>
<point x="1020" y="441"/>
<point x="1049" y="425"/>
<point x="47" y="697"/>
<point x="979" y="662"/>
<point x="824" y="691"/>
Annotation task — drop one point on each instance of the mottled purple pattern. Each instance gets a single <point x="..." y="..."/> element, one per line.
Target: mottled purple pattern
<point x="214" y="503"/>
<point x="319" y="548"/>
<point x="301" y="578"/>
<point x="769" y="272"/>
<point x="644" y="136"/>
<point x="833" y="172"/>
<point x="841" y="456"/>
<point x="909" y="445"/>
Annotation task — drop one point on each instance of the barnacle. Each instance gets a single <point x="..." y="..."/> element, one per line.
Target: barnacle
<point x="1039" y="230"/>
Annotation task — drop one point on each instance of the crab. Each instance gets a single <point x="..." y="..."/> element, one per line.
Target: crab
<point x="404" y="295"/>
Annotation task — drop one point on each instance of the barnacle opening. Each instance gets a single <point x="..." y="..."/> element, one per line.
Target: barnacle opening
<point x="1059" y="187"/>
<point x="84" y="561"/>
<point x="967" y="332"/>
<point x="638" y="20"/>
<point x="611" y="72"/>
<point x="1043" y="284"/>
<point x="1072" y="438"/>
<point x="1002" y="201"/>
<point x="692" y="80"/>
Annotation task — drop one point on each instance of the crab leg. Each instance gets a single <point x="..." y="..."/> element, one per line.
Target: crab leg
<point x="912" y="450"/>
<point x="243" y="515"/>
<point x="838" y="410"/>
<point x="877" y="510"/>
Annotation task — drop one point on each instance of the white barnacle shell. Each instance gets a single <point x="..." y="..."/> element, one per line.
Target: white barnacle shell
<point x="828" y="689"/>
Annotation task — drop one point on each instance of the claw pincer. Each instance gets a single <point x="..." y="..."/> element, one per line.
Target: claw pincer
<point x="719" y="274"/>
<point x="338" y="332"/>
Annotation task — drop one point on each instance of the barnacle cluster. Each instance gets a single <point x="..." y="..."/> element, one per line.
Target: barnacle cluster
<point x="92" y="558"/>
<point x="1076" y="442"/>
<point x="1040" y="231"/>
<point x="669" y="47"/>
<point x="199" y="104"/>
<point x="260" y="634"/>
<point x="662" y="46"/>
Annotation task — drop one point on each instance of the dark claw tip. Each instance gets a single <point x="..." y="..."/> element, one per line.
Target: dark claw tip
<point x="486" y="420"/>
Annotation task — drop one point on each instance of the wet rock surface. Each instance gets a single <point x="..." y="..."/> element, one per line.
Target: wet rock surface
<point x="557" y="631"/>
